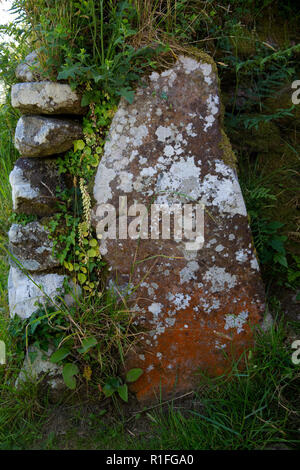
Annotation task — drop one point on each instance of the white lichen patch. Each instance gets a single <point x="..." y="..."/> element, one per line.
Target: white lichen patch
<point x="189" y="272"/>
<point x="223" y="192"/>
<point x="254" y="264"/>
<point x="155" y="308"/>
<point x="208" y="305"/>
<point x="182" y="177"/>
<point x="102" y="189"/>
<point x="241" y="256"/>
<point x="163" y="133"/>
<point x="220" y="279"/>
<point x="180" y="301"/>
<point x="236" y="321"/>
<point x="212" y="109"/>
<point x="21" y="187"/>
<point x="189" y="64"/>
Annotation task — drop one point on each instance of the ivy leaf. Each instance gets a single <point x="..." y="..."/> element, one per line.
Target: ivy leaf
<point x="59" y="355"/>
<point x="69" y="371"/>
<point x="123" y="392"/>
<point x="133" y="374"/>
<point x="87" y="344"/>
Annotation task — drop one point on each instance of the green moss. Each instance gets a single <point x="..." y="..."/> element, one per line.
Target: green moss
<point x="229" y="156"/>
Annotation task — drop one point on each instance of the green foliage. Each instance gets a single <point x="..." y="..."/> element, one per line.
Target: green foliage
<point x="69" y="372"/>
<point x="270" y="245"/>
<point x="92" y="336"/>
<point x="116" y="385"/>
<point x="42" y="329"/>
<point x="89" y="45"/>
<point x="82" y="161"/>
<point x="22" y="219"/>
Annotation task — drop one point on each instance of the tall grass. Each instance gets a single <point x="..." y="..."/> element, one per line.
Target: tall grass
<point x="8" y="155"/>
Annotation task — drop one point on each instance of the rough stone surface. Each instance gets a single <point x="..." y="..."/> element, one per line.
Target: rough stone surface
<point x="196" y="307"/>
<point x="34" y="182"/>
<point x="31" y="247"/>
<point x="25" y="71"/>
<point x="46" y="98"/>
<point x="24" y="293"/>
<point x="39" y="136"/>
<point x="37" y="367"/>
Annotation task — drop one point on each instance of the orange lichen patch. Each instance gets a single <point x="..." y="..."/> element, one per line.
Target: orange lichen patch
<point x="197" y="342"/>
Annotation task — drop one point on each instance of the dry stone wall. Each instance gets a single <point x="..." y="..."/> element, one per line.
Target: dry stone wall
<point x="49" y="124"/>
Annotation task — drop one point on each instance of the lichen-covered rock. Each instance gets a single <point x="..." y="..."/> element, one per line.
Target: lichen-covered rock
<point x="39" y="136"/>
<point x="24" y="293"/>
<point x="196" y="306"/>
<point x="34" y="182"/>
<point x="46" y="98"/>
<point x="27" y="70"/>
<point x="31" y="247"/>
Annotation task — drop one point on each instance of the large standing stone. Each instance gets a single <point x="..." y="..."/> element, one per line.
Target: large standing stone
<point x="39" y="136"/>
<point x="31" y="247"/>
<point x="25" y="290"/>
<point x="34" y="182"/>
<point x="197" y="307"/>
<point x="27" y="70"/>
<point x="46" y="98"/>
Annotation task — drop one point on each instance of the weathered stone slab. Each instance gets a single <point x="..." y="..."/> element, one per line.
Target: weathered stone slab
<point x="24" y="293"/>
<point x="39" y="136"/>
<point x="31" y="247"/>
<point x="25" y="71"/>
<point x="196" y="306"/>
<point x="34" y="182"/>
<point x="46" y="98"/>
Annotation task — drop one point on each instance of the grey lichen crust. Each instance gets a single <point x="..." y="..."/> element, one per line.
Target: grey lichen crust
<point x="27" y="70"/>
<point x="27" y="290"/>
<point x="34" y="184"/>
<point x="46" y="98"/>
<point x="40" y="136"/>
<point x="31" y="247"/>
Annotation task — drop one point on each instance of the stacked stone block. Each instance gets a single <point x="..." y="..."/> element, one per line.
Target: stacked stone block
<point x="49" y="124"/>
